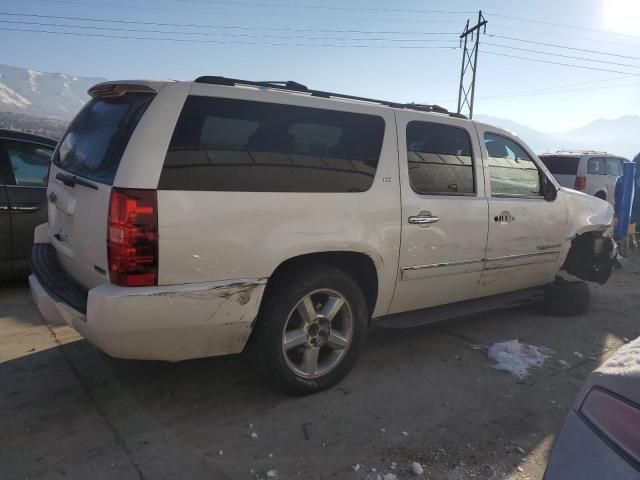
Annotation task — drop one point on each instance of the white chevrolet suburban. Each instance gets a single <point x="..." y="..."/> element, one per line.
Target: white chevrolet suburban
<point x="193" y="219"/>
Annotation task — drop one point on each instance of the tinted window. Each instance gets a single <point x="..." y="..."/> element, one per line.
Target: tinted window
<point x="97" y="137"/>
<point x="28" y="162"/>
<point x="439" y="159"/>
<point x="560" y="165"/>
<point x="511" y="170"/>
<point x="237" y="145"/>
<point x="613" y="167"/>
<point x="596" y="166"/>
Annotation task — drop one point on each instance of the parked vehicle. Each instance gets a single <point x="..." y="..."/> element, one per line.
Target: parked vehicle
<point x="600" y="438"/>
<point x="191" y="219"/>
<point x="594" y="173"/>
<point x="24" y="166"/>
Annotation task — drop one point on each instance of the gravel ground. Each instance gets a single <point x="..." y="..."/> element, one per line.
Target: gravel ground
<point x="420" y="395"/>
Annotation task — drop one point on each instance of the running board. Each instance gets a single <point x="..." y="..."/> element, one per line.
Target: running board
<point x="425" y="316"/>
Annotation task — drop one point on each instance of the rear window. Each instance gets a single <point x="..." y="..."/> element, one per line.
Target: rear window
<point x="560" y="165"/>
<point x="97" y="137"/>
<point x="224" y="144"/>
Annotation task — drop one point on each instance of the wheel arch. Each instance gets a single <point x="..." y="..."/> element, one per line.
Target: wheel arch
<point x="601" y="194"/>
<point x="359" y="265"/>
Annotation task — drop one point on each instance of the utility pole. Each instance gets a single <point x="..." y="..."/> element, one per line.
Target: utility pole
<point x="469" y="67"/>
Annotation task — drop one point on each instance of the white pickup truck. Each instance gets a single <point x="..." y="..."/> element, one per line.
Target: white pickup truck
<point x="192" y="219"/>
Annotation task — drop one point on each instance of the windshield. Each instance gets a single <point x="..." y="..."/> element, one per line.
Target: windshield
<point x="97" y="137"/>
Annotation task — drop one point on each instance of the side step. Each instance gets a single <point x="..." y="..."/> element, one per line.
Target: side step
<point x="425" y="316"/>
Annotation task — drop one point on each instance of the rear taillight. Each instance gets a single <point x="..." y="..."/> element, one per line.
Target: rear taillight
<point x="132" y="237"/>
<point x="615" y="418"/>
<point x="581" y="183"/>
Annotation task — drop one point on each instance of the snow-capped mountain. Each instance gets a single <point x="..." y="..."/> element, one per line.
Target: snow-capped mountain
<point x="42" y="94"/>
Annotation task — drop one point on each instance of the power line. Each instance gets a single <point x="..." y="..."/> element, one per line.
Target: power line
<point x="560" y="35"/>
<point x="223" y="42"/>
<point x="537" y="93"/>
<point x="261" y="16"/>
<point x="599" y="52"/>
<point x="244" y="35"/>
<point x="325" y="7"/>
<point x="561" y="55"/>
<point x="563" y="25"/>
<point x="559" y="63"/>
<point x="236" y="27"/>
<point x="559" y="89"/>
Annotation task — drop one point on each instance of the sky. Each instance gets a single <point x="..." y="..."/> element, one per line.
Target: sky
<point x="365" y="48"/>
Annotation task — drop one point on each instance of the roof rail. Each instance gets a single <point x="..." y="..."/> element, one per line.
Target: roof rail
<point x="584" y="152"/>
<point x="298" y="87"/>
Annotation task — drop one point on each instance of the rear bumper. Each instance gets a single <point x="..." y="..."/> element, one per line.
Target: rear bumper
<point x="159" y="323"/>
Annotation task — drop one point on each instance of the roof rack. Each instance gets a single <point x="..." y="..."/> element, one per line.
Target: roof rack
<point x="298" y="87"/>
<point x="584" y="152"/>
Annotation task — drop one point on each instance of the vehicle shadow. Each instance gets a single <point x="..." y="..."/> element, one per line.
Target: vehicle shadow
<point x="68" y="406"/>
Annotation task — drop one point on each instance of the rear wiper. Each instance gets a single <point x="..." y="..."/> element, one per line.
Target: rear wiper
<point x="71" y="181"/>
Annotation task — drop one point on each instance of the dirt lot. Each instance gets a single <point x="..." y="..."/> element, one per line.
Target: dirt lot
<point x="68" y="411"/>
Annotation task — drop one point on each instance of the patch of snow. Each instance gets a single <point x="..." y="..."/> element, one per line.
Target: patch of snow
<point x="389" y="476"/>
<point x="356" y="467"/>
<point x="578" y="354"/>
<point x="626" y="361"/>
<point x="220" y="453"/>
<point x="417" y="469"/>
<point x="517" y="358"/>
<point x="564" y="363"/>
<point x="254" y="435"/>
<point x="272" y="474"/>
<point x="405" y="434"/>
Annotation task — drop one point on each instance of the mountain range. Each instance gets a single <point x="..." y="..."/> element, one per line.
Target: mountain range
<point x="26" y="93"/>
<point x="620" y="136"/>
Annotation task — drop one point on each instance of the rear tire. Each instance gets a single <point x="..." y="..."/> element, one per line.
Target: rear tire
<point x="567" y="298"/>
<point x="311" y="329"/>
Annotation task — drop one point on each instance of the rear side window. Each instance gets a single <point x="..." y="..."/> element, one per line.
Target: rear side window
<point x="561" y="165"/>
<point x="511" y="170"/>
<point x="439" y="159"/>
<point x="222" y="144"/>
<point x="97" y="137"/>
<point x="596" y="166"/>
<point x="613" y="167"/>
<point x="28" y="163"/>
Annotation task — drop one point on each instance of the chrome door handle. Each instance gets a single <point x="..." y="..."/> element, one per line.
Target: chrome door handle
<point x="423" y="219"/>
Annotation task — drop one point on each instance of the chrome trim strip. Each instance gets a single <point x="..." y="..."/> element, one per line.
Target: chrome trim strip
<point x="443" y="264"/>
<point x="479" y="260"/>
<point x="522" y="255"/>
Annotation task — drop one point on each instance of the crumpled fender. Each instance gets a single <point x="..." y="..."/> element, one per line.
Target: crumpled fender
<point x="593" y="251"/>
<point x="587" y="213"/>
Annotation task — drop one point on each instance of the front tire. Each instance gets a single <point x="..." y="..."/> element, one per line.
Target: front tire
<point x="310" y="330"/>
<point x="567" y="298"/>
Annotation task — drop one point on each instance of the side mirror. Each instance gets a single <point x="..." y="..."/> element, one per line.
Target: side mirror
<point x="549" y="190"/>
